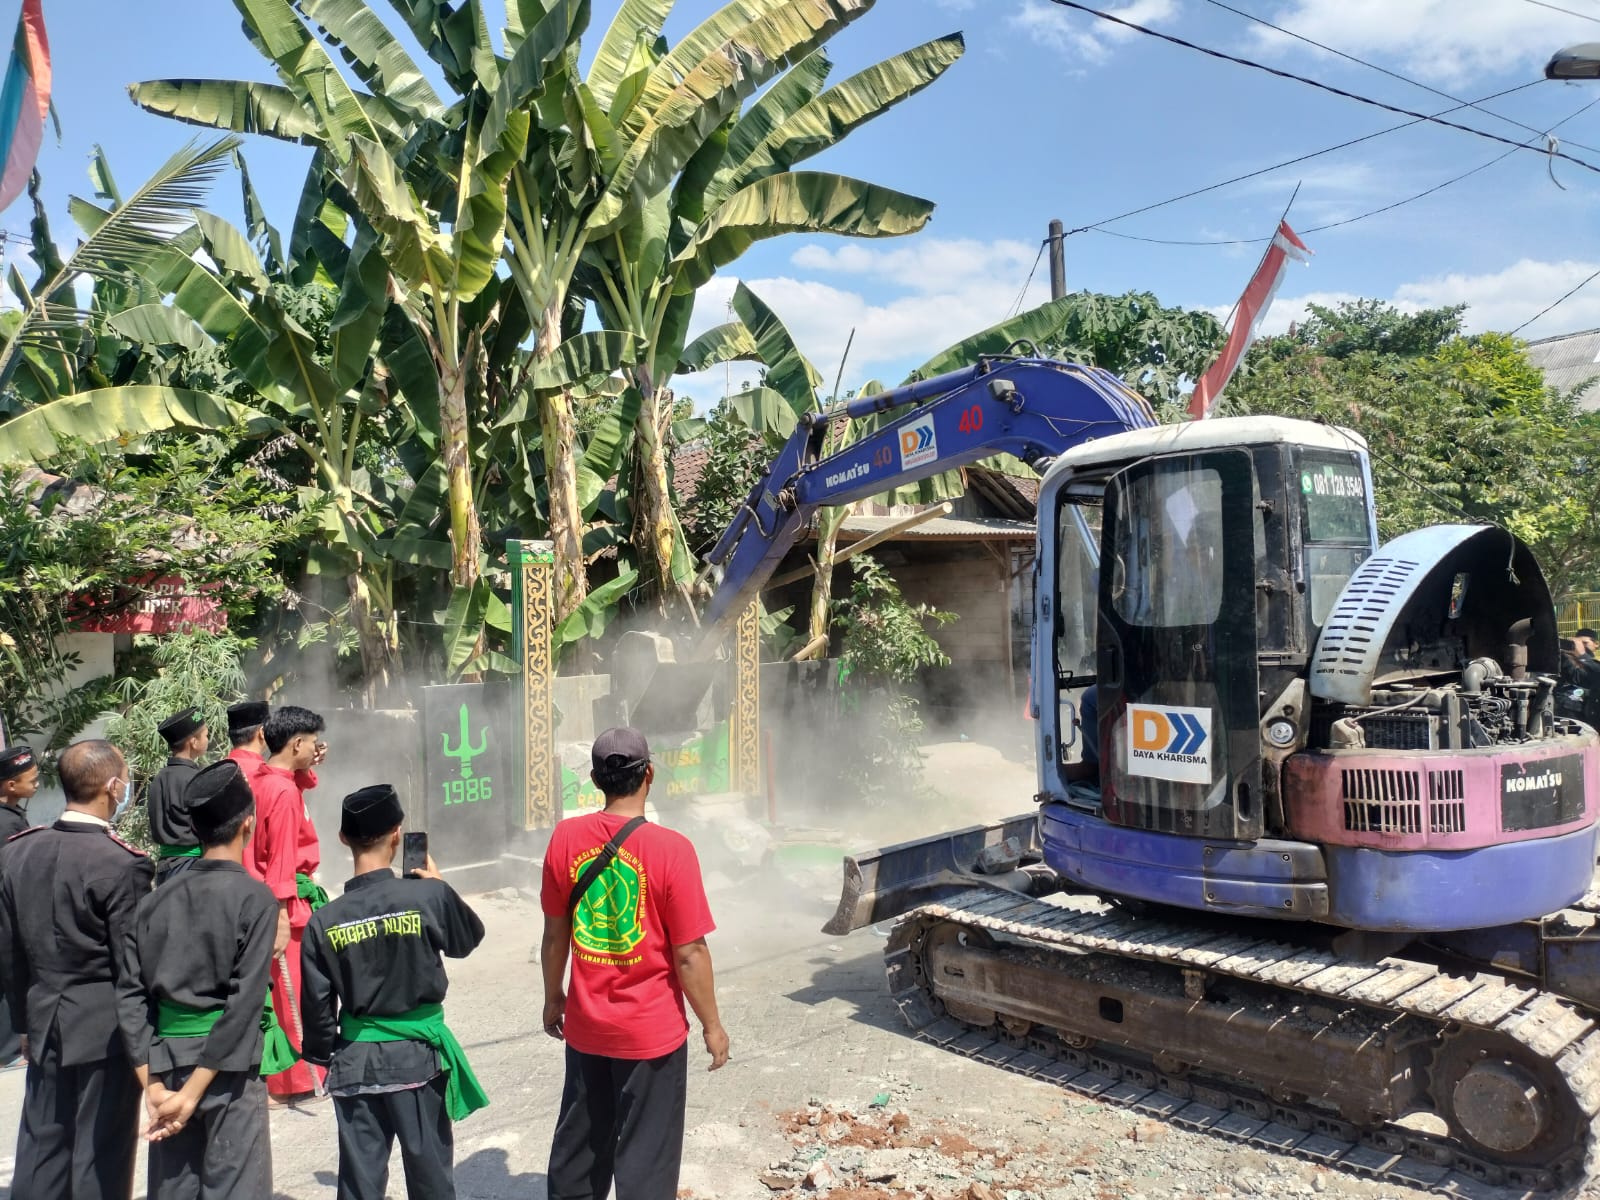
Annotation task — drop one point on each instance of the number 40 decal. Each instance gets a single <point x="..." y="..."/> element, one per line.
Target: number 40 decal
<point x="972" y="419"/>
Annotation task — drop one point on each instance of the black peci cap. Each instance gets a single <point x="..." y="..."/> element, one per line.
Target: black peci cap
<point x="620" y="748"/>
<point x="16" y="760"/>
<point x="371" y="813"/>
<point x="247" y="714"/>
<point x="215" y="796"/>
<point x="180" y="726"/>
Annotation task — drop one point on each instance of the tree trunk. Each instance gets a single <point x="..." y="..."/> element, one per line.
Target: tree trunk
<point x="655" y="527"/>
<point x="828" y="524"/>
<point x="374" y="637"/>
<point x="561" y="480"/>
<point x="465" y="538"/>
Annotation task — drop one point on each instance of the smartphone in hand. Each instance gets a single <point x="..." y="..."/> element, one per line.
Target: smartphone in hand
<point x="414" y="853"/>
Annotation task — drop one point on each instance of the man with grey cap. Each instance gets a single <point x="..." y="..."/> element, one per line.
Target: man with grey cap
<point x="371" y="996"/>
<point x="624" y="899"/>
<point x="204" y="945"/>
<point x="187" y="741"/>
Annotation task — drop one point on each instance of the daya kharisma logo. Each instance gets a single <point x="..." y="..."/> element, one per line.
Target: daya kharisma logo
<point x="607" y="920"/>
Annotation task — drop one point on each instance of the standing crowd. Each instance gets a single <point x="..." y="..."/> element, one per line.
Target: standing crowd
<point x="176" y="997"/>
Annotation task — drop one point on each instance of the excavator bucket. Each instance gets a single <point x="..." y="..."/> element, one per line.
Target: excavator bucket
<point x="881" y="885"/>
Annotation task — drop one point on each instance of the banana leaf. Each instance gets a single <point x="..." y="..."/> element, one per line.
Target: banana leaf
<point x="119" y="414"/>
<point x="723" y="343"/>
<point x="789" y="373"/>
<point x="589" y="619"/>
<point x="231" y="105"/>
<point x="309" y="73"/>
<point x="374" y="54"/>
<point x="680" y="120"/>
<point x="157" y="325"/>
<point x="795" y="202"/>
<point x="637" y="22"/>
<point x="1036" y="325"/>
<point x="825" y="120"/>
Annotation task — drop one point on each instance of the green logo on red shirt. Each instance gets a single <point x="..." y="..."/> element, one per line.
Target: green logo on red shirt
<point x="607" y="923"/>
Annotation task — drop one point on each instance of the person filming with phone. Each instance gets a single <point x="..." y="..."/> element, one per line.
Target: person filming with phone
<point x="372" y="992"/>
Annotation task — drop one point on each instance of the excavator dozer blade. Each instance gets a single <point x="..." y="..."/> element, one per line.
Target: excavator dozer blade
<point x="880" y="885"/>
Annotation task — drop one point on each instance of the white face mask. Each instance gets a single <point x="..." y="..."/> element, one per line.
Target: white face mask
<point x="127" y="799"/>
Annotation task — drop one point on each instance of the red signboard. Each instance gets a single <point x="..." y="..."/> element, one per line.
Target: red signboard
<point x="159" y="605"/>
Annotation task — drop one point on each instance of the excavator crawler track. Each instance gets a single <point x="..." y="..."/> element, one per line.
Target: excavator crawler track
<point x="1108" y="1003"/>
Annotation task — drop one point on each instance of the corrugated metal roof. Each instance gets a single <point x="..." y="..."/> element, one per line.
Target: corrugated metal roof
<point x="1568" y="361"/>
<point x="981" y="528"/>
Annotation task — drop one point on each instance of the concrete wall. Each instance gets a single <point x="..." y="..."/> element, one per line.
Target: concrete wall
<point x="96" y="656"/>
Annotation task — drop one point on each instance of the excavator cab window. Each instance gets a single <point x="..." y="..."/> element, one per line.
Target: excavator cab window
<point x="1176" y="645"/>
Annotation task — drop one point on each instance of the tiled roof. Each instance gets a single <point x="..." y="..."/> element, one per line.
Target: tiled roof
<point x="1570" y="360"/>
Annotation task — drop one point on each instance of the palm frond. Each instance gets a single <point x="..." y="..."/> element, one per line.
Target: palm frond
<point x="150" y="218"/>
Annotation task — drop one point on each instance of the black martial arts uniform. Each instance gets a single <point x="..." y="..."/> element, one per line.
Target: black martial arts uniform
<point x="205" y="943"/>
<point x="68" y="895"/>
<point x="12" y="822"/>
<point x="170" y="827"/>
<point x="376" y="952"/>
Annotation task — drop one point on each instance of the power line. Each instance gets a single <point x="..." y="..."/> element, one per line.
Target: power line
<point x="1484" y="166"/>
<point x="1556" y="303"/>
<point x="1310" y="41"/>
<point x="1557" y="8"/>
<point x="1331" y="89"/>
<point x="1288" y="162"/>
<point x="1028" y="282"/>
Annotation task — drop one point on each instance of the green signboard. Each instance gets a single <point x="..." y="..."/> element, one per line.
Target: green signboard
<point x="469" y="784"/>
<point x="695" y="767"/>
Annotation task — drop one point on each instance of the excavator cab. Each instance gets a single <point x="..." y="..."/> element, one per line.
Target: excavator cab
<point x="1291" y="722"/>
<point x="1220" y="564"/>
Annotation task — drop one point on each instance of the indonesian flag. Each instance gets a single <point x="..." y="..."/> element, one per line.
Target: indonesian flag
<point x="24" y="102"/>
<point x="1253" y="305"/>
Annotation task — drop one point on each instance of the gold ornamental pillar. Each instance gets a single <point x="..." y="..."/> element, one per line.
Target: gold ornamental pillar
<point x="744" y="733"/>
<point x="533" y="613"/>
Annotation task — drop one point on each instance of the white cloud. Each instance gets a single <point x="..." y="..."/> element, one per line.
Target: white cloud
<point x="937" y="291"/>
<point x="1444" y="41"/>
<point x="1080" y="35"/>
<point x="1499" y="300"/>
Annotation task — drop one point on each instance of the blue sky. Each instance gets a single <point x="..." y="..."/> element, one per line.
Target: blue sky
<point x="1052" y="114"/>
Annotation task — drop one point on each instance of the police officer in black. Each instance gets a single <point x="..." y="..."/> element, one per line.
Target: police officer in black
<point x="204" y="947"/>
<point x="19" y="780"/>
<point x="187" y="740"/>
<point x="372" y="983"/>
<point x="68" y="894"/>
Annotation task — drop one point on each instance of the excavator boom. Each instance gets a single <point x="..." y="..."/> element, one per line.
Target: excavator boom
<point x="1033" y="408"/>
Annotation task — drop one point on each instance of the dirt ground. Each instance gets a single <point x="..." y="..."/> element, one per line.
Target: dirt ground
<point x="826" y="1092"/>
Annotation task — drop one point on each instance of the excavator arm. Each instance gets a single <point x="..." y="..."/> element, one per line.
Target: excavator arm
<point x="1033" y="408"/>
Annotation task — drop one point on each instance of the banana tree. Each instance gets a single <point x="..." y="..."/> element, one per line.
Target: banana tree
<point x="735" y="187"/>
<point x="280" y="384"/>
<point x="597" y="162"/>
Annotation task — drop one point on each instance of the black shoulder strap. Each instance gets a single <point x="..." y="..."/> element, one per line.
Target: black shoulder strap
<point x="599" y="863"/>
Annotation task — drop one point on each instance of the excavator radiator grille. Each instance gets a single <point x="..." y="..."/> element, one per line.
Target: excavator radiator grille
<point x="1447" y="802"/>
<point x="1382" y="801"/>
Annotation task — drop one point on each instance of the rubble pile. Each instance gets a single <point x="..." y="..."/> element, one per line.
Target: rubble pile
<point x="879" y="1154"/>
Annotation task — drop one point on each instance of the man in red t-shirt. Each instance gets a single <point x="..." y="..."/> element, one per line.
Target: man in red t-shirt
<point x="637" y="939"/>
<point x="284" y="855"/>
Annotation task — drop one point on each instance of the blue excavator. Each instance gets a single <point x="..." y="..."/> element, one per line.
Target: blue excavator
<point x="1310" y="859"/>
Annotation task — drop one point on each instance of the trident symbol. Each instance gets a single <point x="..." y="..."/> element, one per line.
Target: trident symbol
<point x="465" y="750"/>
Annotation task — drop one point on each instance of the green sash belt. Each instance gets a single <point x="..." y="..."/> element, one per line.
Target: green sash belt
<point x="178" y="851"/>
<point x="175" y="1020"/>
<point x="463" y="1094"/>
<point x="310" y="890"/>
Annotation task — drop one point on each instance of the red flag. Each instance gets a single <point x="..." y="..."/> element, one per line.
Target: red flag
<point x="1253" y="305"/>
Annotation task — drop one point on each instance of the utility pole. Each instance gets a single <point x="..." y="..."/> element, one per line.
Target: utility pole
<point x="1058" y="260"/>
